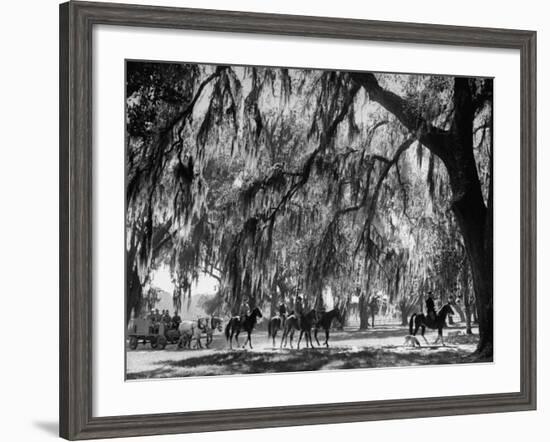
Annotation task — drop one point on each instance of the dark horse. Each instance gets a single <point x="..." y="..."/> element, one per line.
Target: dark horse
<point x="421" y="320"/>
<point x="325" y="322"/>
<point x="275" y="324"/>
<point x="304" y="324"/>
<point x="246" y="323"/>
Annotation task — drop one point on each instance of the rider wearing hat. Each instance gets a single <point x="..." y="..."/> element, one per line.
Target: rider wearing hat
<point x="298" y="308"/>
<point x="430" y="306"/>
<point x="282" y="313"/>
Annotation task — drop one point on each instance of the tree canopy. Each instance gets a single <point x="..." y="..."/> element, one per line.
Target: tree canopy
<point x="277" y="181"/>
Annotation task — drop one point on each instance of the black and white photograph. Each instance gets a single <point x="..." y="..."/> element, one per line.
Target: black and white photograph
<point x="275" y="220"/>
<point x="283" y="219"/>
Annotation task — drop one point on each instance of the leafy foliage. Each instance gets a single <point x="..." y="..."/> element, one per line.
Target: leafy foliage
<point x="283" y="181"/>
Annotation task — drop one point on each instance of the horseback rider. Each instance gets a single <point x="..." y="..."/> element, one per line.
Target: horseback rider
<point x="298" y="306"/>
<point x="430" y="306"/>
<point x="244" y="312"/>
<point x="282" y="313"/>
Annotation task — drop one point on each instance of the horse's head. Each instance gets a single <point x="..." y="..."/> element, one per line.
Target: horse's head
<point x="256" y="312"/>
<point x="448" y="310"/>
<point x="202" y="323"/>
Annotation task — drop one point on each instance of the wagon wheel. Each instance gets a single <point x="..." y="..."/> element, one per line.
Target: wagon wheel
<point x="154" y="342"/>
<point x="161" y="342"/>
<point x="133" y="342"/>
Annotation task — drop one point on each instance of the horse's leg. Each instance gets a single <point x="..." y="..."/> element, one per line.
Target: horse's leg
<point x="283" y="338"/>
<point x="300" y="339"/>
<point x="315" y="334"/>
<point x="250" y="339"/>
<point x="326" y="336"/>
<point x="237" y="337"/>
<point x="424" y="337"/>
<point x="437" y="339"/>
<point x="439" y="336"/>
<point x="291" y="337"/>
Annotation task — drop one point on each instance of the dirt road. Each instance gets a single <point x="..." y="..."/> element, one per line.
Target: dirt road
<point x="378" y="347"/>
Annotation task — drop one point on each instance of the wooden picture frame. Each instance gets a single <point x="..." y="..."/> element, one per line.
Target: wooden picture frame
<point x="76" y="243"/>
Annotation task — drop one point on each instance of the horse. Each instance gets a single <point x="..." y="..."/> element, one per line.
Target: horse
<point x="213" y="323"/>
<point x="275" y="324"/>
<point x="235" y="324"/>
<point x="421" y="320"/>
<point x="325" y="322"/>
<point x="189" y="331"/>
<point x="304" y="324"/>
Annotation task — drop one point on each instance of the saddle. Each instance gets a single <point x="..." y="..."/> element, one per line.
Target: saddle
<point x="431" y="316"/>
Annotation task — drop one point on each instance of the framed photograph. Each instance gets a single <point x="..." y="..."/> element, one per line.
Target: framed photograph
<point x="271" y="220"/>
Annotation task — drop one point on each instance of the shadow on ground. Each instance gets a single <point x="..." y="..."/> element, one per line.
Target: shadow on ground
<point x="245" y="362"/>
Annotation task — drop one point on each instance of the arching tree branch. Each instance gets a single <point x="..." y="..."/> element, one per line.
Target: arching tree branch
<point x="435" y="139"/>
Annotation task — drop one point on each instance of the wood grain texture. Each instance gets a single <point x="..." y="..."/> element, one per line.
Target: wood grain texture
<point x="76" y="242"/>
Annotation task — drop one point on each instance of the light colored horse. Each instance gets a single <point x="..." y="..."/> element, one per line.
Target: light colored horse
<point x="191" y="332"/>
<point x="188" y="331"/>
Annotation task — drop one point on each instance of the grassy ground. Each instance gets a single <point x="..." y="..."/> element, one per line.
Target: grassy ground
<point x="349" y="349"/>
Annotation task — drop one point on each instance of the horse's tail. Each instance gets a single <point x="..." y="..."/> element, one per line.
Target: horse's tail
<point x="411" y="323"/>
<point x="228" y="329"/>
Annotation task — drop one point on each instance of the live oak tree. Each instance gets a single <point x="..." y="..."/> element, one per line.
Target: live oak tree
<point x="279" y="181"/>
<point x="454" y="146"/>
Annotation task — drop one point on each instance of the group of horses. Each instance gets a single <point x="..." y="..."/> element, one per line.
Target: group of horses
<point x="188" y="333"/>
<point x="303" y="323"/>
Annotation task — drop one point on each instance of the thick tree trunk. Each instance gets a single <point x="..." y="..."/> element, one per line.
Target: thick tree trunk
<point x="363" y="302"/>
<point x="363" y="312"/>
<point x="472" y="225"/>
<point x="467" y="305"/>
<point x="473" y="217"/>
<point x="134" y="295"/>
<point x="404" y="314"/>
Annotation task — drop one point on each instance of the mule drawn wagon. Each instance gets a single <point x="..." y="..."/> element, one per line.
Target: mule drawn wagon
<point x="146" y="331"/>
<point x="160" y="334"/>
